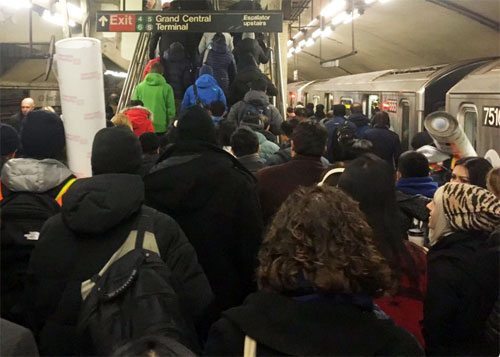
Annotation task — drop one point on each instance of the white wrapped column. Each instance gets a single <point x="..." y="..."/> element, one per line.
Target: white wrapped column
<point x="81" y="85"/>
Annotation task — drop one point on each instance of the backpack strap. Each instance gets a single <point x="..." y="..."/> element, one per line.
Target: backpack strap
<point x="141" y="238"/>
<point x="195" y="91"/>
<point x="250" y="347"/>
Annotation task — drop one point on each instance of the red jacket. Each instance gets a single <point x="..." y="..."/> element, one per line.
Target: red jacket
<point x="406" y="307"/>
<point x="147" y="69"/>
<point x="141" y="119"/>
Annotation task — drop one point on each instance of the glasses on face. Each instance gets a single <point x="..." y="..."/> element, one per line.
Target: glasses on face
<point x="461" y="179"/>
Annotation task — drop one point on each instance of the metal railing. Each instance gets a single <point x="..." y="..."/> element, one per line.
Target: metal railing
<point x="135" y="69"/>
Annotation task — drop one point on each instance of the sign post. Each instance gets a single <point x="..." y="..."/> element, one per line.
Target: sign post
<point x="129" y="21"/>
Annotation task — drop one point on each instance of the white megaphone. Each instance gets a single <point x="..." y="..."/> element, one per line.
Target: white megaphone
<point x="448" y="135"/>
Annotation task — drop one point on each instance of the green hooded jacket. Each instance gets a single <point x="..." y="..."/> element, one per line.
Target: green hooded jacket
<point x="158" y="96"/>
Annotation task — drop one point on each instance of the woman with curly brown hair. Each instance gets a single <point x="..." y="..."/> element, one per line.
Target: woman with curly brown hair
<point x="319" y="270"/>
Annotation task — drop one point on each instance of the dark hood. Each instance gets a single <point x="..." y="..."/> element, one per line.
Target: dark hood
<point x="268" y="317"/>
<point x="176" y="52"/>
<point x="97" y="204"/>
<point x="359" y="120"/>
<point x="206" y="81"/>
<point x="219" y="47"/>
<point x="187" y="176"/>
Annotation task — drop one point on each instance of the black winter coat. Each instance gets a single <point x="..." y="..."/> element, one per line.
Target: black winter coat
<point x="241" y="84"/>
<point x="177" y="70"/>
<point x="97" y="215"/>
<point x="251" y="46"/>
<point x="386" y="144"/>
<point x="462" y="287"/>
<point x="412" y="206"/>
<point x="222" y="62"/>
<point x="283" y="325"/>
<point x="213" y="197"/>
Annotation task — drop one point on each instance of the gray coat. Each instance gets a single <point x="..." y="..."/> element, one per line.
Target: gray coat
<point x="275" y="118"/>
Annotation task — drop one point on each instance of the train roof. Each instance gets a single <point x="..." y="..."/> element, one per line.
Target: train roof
<point x="395" y="80"/>
<point x="295" y="86"/>
<point x="485" y="79"/>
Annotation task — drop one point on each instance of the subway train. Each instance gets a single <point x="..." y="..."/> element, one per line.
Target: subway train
<point x="468" y="90"/>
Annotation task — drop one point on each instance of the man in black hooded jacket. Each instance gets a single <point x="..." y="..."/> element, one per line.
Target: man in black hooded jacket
<point x="214" y="199"/>
<point x="98" y="214"/>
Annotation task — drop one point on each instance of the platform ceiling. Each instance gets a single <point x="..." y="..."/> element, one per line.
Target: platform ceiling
<point x="402" y="34"/>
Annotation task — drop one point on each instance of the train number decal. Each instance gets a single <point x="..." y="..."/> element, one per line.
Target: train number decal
<point x="491" y="117"/>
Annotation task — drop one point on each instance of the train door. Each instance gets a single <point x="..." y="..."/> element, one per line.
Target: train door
<point x="404" y="110"/>
<point x="371" y="104"/>
<point x="347" y="101"/>
<point x="316" y="99"/>
<point x="467" y="117"/>
<point x="329" y="101"/>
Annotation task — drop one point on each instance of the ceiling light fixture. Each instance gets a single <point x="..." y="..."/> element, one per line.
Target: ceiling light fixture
<point x="333" y="8"/>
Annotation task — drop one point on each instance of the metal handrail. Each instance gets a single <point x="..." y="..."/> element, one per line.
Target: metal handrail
<point x="135" y="69"/>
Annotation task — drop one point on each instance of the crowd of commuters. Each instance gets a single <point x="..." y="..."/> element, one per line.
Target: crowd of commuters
<point x="211" y="225"/>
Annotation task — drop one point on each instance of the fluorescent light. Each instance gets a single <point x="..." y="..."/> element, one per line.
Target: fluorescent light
<point x="289" y="43"/>
<point x="16" y="4"/>
<point x="115" y="74"/>
<point x="339" y="18"/>
<point x="351" y="17"/>
<point x="309" y="42"/>
<point x="298" y="50"/>
<point x="316" y="33"/>
<point x="292" y="50"/>
<point x="313" y="22"/>
<point x="333" y="8"/>
<point x="326" y="32"/>
<point x="297" y="35"/>
<point x="290" y="54"/>
<point x="301" y="44"/>
<point x="56" y="19"/>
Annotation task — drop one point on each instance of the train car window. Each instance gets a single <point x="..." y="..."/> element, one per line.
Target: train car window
<point x="316" y="100"/>
<point x="405" y="124"/>
<point x="347" y="102"/>
<point x="468" y="115"/>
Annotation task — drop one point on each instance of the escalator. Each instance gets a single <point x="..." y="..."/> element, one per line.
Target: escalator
<point x="140" y="58"/>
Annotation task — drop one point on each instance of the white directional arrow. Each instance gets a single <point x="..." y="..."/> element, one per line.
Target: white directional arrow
<point x="103" y="19"/>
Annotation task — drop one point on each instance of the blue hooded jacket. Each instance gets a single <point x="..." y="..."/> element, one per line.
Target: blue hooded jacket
<point x="208" y="92"/>
<point x="425" y="186"/>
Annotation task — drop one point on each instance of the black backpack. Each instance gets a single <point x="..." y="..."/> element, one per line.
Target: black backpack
<point x="342" y="138"/>
<point x="133" y="295"/>
<point x="254" y="107"/>
<point x="345" y="134"/>
<point x="22" y="217"/>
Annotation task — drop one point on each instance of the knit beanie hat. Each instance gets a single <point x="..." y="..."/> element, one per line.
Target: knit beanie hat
<point x="149" y="142"/>
<point x="195" y="123"/>
<point x="9" y="139"/>
<point x="42" y="135"/>
<point x="116" y="150"/>
<point x="470" y="208"/>
<point x="206" y="69"/>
